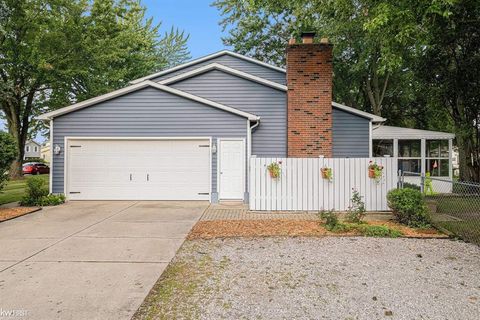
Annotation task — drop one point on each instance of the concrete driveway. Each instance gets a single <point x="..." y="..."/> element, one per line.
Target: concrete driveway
<point x="89" y="260"/>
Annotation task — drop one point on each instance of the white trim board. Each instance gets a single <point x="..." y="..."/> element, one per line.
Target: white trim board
<point x="221" y="67"/>
<point x="360" y="113"/>
<point x="138" y="86"/>
<point x="205" y="58"/>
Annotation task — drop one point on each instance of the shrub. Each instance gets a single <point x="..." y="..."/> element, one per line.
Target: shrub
<point x="409" y="207"/>
<point x="379" y="231"/>
<point x="357" y="211"/>
<point x="330" y="219"/>
<point x="411" y="186"/>
<point x="51" y="200"/>
<point x="37" y="194"/>
<point x="8" y="152"/>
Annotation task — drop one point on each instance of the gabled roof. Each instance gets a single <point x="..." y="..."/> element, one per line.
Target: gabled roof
<point x="136" y="87"/>
<point x="389" y="132"/>
<point x="32" y="141"/>
<point x="205" y="58"/>
<point x="275" y="85"/>
<point x="360" y="113"/>
<point x="221" y="67"/>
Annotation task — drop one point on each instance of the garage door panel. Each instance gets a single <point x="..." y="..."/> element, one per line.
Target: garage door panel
<point x="139" y="170"/>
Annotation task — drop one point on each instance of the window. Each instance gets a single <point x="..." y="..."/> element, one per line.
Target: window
<point x="27" y="148"/>
<point x="437" y="158"/>
<point x="409" y="148"/>
<point x="35" y="149"/>
<point x="409" y="154"/>
<point x="382" y="148"/>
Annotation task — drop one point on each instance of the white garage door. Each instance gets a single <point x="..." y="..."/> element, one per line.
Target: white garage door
<point x="138" y="169"/>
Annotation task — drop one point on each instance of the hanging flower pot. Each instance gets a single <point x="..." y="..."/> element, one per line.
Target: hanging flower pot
<point x="327" y="173"/>
<point x="375" y="171"/>
<point x="274" y="169"/>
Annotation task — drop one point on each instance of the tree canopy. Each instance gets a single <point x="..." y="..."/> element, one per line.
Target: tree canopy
<point x="414" y="62"/>
<point x="56" y="52"/>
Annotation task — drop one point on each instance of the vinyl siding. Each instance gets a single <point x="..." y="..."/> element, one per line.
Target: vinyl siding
<point x="350" y="135"/>
<point x="270" y="138"/>
<point x="145" y="113"/>
<point x="235" y="63"/>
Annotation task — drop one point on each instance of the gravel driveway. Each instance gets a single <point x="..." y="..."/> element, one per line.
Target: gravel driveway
<point x="319" y="278"/>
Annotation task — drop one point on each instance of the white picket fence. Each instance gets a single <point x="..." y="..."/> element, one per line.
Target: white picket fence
<point x="301" y="186"/>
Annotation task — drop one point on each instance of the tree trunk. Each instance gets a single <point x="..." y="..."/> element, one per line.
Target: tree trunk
<point x="16" y="167"/>
<point x="468" y="161"/>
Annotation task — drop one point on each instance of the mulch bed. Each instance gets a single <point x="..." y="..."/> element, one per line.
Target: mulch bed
<point x="11" y="213"/>
<point x="292" y="228"/>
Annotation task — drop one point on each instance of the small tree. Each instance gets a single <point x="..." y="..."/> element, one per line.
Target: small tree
<point x="8" y="152"/>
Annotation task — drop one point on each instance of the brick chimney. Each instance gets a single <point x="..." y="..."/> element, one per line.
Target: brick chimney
<point x="309" y="97"/>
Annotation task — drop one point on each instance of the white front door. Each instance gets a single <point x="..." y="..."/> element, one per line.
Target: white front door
<point x="164" y="169"/>
<point x="232" y="169"/>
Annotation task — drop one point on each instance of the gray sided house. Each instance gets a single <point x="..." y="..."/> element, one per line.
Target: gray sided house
<point x="187" y="133"/>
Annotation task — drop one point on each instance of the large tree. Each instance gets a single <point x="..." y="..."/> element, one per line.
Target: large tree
<point x="57" y="52"/>
<point x="367" y="62"/>
<point x="416" y="62"/>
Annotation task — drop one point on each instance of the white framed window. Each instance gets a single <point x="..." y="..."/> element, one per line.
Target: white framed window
<point x="410" y="155"/>
<point x="27" y="148"/>
<point x="437" y="158"/>
<point x="382" y="148"/>
<point x="35" y="149"/>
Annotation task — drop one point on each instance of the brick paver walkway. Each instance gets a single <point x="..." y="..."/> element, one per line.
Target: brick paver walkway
<point x="241" y="212"/>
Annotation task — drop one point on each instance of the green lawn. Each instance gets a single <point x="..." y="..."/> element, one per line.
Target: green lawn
<point x="15" y="190"/>
<point x="465" y="208"/>
<point x="467" y="230"/>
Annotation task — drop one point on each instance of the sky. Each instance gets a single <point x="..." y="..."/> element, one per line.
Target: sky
<point x="196" y="17"/>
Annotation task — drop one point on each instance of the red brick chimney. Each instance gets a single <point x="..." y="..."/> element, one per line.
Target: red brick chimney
<point x="309" y="97"/>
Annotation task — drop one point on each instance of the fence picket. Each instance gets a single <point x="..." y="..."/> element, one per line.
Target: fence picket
<point x="301" y="186"/>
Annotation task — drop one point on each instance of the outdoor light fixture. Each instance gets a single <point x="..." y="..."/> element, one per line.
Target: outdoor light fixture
<point x="57" y="149"/>
<point x="214" y="148"/>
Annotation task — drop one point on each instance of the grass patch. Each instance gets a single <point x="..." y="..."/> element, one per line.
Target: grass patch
<point x="456" y="204"/>
<point x="467" y="230"/>
<point x="379" y="231"/>
<point x="180" y="291"/>
<point x="15" y="190"/>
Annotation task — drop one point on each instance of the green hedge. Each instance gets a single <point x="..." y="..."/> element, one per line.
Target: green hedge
<point x="409" y="207"/>
<point x="37" y="194"/>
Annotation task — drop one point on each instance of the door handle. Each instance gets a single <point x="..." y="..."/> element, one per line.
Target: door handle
<point x="148" y="177"/>
<point x="130" y="177"/>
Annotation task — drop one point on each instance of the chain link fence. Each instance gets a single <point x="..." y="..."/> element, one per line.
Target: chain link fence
<point x="454" y="205"/>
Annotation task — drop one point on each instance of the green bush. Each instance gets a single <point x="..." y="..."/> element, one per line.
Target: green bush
<point x="408" y="206"/>
<point x="379" y="231"/>
<point x="330" y="219"/>
<point x="8" y="152"/>
<point x="411" y="186"/>
<point x="356" y="211"/>
<point x="51" y="200"/>
<point x="37" y="194"/>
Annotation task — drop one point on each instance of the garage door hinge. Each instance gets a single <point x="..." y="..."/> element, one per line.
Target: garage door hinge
<point x="75" y="146"/>
<point x="204" y="146"/>
<point x="203" y="193"/>
<point x="71" y="192"/>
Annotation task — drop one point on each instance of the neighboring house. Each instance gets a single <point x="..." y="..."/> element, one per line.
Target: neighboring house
<point x="186" y="133"/>
<point x="45" y="152"/>
<point x="32" y="150"/>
